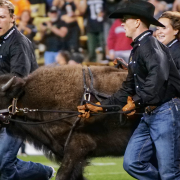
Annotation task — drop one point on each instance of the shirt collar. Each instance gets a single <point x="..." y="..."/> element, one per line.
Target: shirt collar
<point x="7" y="34"/>
<point x="172" y="42"/>
<point x="141" y="36"/>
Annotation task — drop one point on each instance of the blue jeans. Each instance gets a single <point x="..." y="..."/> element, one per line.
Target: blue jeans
<point x="162" y="130"/>
<point x="50" y="57"/>
<point x="12" y="168"/>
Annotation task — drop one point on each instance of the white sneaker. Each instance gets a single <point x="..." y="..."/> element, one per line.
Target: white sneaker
<point x="23" y="154"/>
<point x="53" y="172"/>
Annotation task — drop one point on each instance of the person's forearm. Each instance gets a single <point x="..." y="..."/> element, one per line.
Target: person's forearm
<point x="58" y="3"/>
<point x="59" y="32"/>
<point x="82" y="6"/>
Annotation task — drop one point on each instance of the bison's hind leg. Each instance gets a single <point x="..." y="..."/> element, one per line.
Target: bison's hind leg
<point x="71" y="169"/>
<point x="74" y="158"/>
<point x="81" y="177"/>
<point x="77" y="174"/>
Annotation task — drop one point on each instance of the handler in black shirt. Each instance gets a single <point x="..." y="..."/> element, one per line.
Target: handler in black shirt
<point x="16" y="54"/>
<point x="17" y="58"/>
<point x="153" y="82"/>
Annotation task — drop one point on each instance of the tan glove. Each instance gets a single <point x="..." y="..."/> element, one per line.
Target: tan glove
<point x="129" y="106"/>
<point x="93" y="108"/>
<point x="115" y="62"/>
<point x="82" y="109"/>
<point x="86" y="114"/>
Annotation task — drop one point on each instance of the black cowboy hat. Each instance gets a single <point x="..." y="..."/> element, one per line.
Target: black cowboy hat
<point x="138" y="8"/>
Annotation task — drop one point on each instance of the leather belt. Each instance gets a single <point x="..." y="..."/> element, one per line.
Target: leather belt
<point x="149" y="109"/>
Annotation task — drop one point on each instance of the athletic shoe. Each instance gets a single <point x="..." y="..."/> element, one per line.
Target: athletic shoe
<point x="53" y="172"/>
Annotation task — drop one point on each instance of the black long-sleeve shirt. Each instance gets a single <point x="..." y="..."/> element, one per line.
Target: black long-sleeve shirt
<point x="16" y="54"/>
<point x="152" y="74"/>
<point x="174" y="47"/>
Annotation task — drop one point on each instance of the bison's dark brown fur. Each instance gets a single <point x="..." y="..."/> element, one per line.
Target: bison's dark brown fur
<point x="61" y="88"/>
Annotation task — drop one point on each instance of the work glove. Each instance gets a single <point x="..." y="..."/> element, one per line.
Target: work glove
<point x="87" y="108"/>
<point x="118" y="64"/>
<point x="129" y="106"/>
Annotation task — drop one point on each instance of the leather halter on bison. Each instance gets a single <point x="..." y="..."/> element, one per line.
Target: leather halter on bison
<point x="61" y="88"/>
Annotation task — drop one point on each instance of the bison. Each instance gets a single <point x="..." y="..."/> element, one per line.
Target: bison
<point x="61" y="88"/>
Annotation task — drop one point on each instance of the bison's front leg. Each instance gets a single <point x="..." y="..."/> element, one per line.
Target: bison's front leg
<point x="74" y="158"/>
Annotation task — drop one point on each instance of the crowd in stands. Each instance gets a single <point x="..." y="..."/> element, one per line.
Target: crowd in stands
<point x="77" y="30"/>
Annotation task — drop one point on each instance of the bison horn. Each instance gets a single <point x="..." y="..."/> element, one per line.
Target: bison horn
<point x="7" y="85"/>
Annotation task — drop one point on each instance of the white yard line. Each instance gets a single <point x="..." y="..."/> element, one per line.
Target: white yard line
<point x="103" y="164"/>
<point x="101" y="174"/>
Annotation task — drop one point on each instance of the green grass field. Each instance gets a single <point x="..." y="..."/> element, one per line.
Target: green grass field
<point x="99" y="169"/>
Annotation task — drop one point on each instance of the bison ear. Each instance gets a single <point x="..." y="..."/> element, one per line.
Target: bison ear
<point x="14" y="87"/>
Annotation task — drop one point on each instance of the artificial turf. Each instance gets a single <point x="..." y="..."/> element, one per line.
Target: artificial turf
<point x="98" y="169"/>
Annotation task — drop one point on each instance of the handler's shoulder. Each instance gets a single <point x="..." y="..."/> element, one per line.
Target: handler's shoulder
<point x="20" y="38"/>
<point x="153" y="45"/>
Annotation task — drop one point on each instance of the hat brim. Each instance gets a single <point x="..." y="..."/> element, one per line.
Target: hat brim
<point x="140" y="13"/>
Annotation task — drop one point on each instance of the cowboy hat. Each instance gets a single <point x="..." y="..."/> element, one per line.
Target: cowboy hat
<point x="138" y="8"/>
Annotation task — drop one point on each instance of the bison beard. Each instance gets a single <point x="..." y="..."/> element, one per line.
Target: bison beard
<point x="61" y="88"/>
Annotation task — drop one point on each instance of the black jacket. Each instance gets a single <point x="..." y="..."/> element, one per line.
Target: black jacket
<point x="174" y="47"/>
<point x="16" y="54"/>
<point x="152" y="75"/>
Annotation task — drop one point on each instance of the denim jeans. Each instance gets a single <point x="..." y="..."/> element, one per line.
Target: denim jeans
<point x="160" y="129"/>
<point x="12" y="168"/>
<point x="50" y="57"/>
